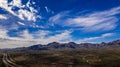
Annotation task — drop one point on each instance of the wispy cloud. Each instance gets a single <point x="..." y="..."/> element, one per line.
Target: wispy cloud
<point x="102" y="20"/>
<point x="21" y="23"/>
<point x="46" y="8"/>
<point x="94" y="39"/>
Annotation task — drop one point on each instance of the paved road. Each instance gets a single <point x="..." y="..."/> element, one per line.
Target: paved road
<point x="8" y="62"/>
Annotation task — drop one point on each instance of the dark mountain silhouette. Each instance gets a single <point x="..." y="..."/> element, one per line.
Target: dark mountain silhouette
<point x="72" y="45"/>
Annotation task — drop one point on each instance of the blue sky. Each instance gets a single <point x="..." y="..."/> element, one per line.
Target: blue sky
<point x="29" y="22"/>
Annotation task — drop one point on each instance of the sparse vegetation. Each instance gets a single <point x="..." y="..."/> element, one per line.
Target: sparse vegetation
<point x="67" y="58"/>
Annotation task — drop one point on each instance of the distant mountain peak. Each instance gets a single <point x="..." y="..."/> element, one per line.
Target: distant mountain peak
<point x="53" y="43"/>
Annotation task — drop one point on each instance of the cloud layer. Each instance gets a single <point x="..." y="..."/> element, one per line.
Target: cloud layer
<point x="27" y="39"/>
<point x="95" y="21"/>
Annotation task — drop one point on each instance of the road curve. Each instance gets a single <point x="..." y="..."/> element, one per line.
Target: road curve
<point x="8" y="63"/>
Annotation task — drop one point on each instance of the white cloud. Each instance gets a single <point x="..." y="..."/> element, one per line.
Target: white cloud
<point x="105" y="26"/>
<point x="26" y="15"/>
<point x="3" y="17"/>
<point x="21" y="23"/>
<point x="41" y="34"/>
<point x="55" y="18"/>
<point x="23" y="14"/>
<point x="93" y="39"/>
<point x="15" y="43"/>
<point x="28" y="39"/>
<point x="103" y="20"/>
<point x="17" y="3"/>
<point x="59" y="37"/>
<point x="3" y="3"/>
<point x="6" y="41"/>
<point x="28" y="3"/>
<point x="46" y="8"/>
<point x="107" y="35"/>
<point x="27" y="35"/>
<point x="3" y="33"/>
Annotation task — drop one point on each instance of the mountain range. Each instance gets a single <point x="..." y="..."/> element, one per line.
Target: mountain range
<point x="72" y="45"/>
